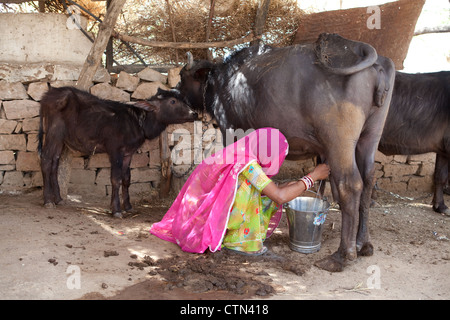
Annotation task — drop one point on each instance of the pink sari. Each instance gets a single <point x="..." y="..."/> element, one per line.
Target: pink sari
<point x="198" y="218"/>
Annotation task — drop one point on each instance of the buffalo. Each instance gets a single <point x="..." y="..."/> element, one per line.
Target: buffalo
<point x="419" y="122"/>
<point x="329" y="98"/>
<point x="87" y="124"/>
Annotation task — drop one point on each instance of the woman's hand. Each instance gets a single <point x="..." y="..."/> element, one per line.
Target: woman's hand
<point x="321" y="172"/>
<point x="288" y="191"/>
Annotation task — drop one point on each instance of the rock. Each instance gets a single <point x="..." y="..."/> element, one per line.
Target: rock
<point x="27" y="161"/>
<point x="99" y="160"/>
<point x="106" y="91"/>
<point x="110" y="253"/>
<point x="25" y="73"/>
<point x="12" y="180"/>
<point x="6" y="157"/>
<point x="147" y="90"/>
<point x="173" y="77"/>
<point x="13" y="142"/>
<point x="30" y="125"/>
<point x="127" y="82"/>
<point x="72" y="73"/>
<point x="21" y="109"/>
<point x="32" y="142"/>
<point x="149" y="74"/>
<point x="102" y="75"/>
<point x="7" y="126"/>
<point x="12" y="90"/>
<point x="37" y="89"/>
<point x="63" y="83"/>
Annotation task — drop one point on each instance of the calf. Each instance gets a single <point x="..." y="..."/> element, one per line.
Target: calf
<point x="85" y="123"/>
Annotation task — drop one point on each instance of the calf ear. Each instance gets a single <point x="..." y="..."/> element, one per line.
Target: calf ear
<point x="147" y="106"/>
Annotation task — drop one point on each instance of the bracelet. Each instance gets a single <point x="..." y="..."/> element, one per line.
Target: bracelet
<point x="308" y="181"/>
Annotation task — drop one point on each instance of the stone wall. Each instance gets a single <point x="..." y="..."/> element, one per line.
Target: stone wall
<point x="19" y="124"/>
<point x="405" y="174"/>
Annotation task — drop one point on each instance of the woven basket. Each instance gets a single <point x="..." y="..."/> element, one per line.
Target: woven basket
<point x="398" y="20"/>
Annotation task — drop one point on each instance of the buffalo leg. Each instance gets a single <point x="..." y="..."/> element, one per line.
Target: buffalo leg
<point x="116" y="181"/>
<point x="365" y="157"/>
<point x="126" y="178"/>
<point x="440" y="179"/>
<point x="347" y="183"/>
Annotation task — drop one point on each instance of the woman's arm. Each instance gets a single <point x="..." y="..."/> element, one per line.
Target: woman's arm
<point x="287" y="192"/>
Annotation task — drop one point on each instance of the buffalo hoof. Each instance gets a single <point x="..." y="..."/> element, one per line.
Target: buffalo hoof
<point x="49" y="205"/>
<point x="366" y="250"/>
<point x="442" y="209"/>
<point x="333" y="263"/>
<point x="117" y="215"/>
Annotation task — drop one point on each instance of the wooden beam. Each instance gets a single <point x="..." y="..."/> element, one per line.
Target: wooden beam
<point x="208" y="28"/>
<point x="109" y="58"/>
<point x="94" y="57"/>
<point x="260" y="19"/>
<point x="42" y="6"/>
<point x="172" y="26"/>
<point x="15" y="1"/>
<point x="184" y="45"/>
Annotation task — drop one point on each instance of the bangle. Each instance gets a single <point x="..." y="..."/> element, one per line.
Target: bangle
<point x="308" y="181"/>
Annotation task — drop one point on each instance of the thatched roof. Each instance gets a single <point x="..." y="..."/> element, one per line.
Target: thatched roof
<point x="187" y="20"/>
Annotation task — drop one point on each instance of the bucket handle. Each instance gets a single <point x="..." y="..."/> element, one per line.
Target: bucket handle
<point x="324" y="198"/>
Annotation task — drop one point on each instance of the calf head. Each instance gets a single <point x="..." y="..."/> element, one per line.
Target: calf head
<point x="168" y="107"/>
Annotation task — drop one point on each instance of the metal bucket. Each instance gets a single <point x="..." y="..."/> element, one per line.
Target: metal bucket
<point x="306" y="216"/>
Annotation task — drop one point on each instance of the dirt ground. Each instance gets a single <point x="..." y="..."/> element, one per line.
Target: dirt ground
<point x="78" y="251"/>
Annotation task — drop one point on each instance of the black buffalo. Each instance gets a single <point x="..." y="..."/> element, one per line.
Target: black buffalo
<point x="419" y="122"/>
<point x="88" y="124"/>
<point x="329" y="98"/>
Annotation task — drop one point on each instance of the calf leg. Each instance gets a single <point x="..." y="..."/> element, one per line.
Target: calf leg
<point x="50" y="155"/>
<point x="126" y="178"/>
<point x="116" y="181"/>
<point x="440" y="179"/>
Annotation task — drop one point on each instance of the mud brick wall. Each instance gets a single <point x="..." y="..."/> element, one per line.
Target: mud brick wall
<point x="21" y="88"/>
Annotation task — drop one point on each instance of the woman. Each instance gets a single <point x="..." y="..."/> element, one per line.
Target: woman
<point x="229" y="200"/>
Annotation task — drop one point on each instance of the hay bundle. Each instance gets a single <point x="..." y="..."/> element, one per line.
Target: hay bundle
<point x="187" y="20"/>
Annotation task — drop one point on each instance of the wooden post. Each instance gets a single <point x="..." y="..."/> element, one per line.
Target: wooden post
<point x="208" y="28"/>
<point x="260" y="20"/>
<point x="166" y="164"/>
<point x="109" y="47"/>
<point x="172" y="27"/>
<point x="95" y="55"/>
<point x="42" y="6"/>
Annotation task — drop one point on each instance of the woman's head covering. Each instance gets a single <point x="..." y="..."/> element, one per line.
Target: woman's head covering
<point x="199" y="215"/>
